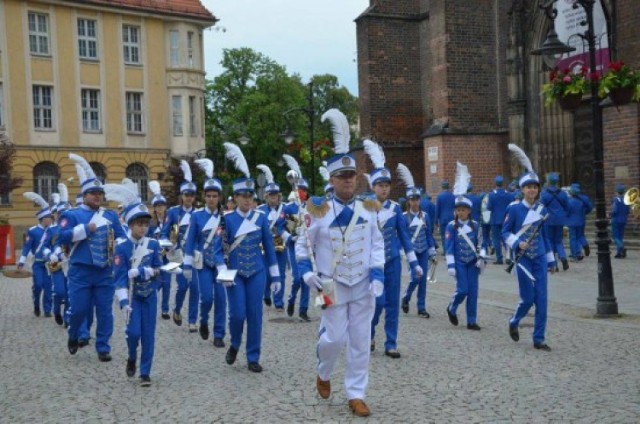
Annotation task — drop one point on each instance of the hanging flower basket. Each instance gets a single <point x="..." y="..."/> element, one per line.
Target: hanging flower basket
<point x="570" y="102"/>
<point x="620" y="83"/>
<point x="621" y="96"/>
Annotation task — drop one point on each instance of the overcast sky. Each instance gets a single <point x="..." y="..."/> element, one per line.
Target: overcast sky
<point x="307" y="37"/>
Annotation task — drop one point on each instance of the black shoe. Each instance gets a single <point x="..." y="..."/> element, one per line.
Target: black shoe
<point x="587" y="251"/>
<point x="405" y="306"/>
<point x="373" y="346"/>
<point x="513" y="332"/>
<point x="145" y="381"/>
<point x="204" y="331"/>
<point x="290" y="309"/>
<point x="232" y="353"/>
<point x="267" y="301"/>
<point x="218" y="342"/>
<point x="131" y="367"/>
<point x="498" y="262"/>
<point x="177" y="318"/>
<point x="508" y="261"/>
<point x="624" y="252"/>
<point x="453" y="319"/>
<point x="542" y="346"/>
<point x="165" y="315"/>
<point x="392" y="353"/>
<point x="424" y="314"/>
<point x="72" y="345"/>
<point x="304" y="317"/>
<point x="557" y="270"/>
<point x="36" y="312"/>
<point x="618" y="256"/>
<point x="59" y="319"/>
<point x="255" y="367"/>
<point x="565" y="264"/>
<point x="104" y="356"/>
<point x="474" y="327"/>
<point x="492" y="251"/>
<point x="82" y="343"/>
<point x="580" y="258"/>
<point x="48" y="315"/>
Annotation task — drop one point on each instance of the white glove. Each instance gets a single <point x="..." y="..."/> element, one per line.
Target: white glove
<point x="451" y="271"/>
<point x="481" y="264"/>
<point x="313" y="281"/>
<point x="126" y="313"/>
<point x="432" y="252"/>
<point x="133" y="273"/>
<point x="419" y="271"/>
<point x="149" y="273"/>
<point x="276" y="287"/>
<point x="53" y="258"/>
<point x="187" y="273"/>
<point x="378" y="288"/>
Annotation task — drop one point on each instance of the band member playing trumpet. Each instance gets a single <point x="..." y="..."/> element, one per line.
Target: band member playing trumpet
<point x="274" y="211"/>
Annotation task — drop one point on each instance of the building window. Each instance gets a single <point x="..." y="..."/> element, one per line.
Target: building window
<point x="90" y="110"/>
<point x="174" y="46"/>
<point x="5" y="199"/>
<point x="100" y="170"/>
<point x="192" y="116"/>
<point x="45" y="179"/>
<point x="176" y="106"/>
<point x="190" y="48"/>
<point x="38" y="33"/>
<point x="87" y="39"/>
<point x="131" y="44"/>
<point x="42" y="107"/>
<point x="202" y="116"/>
<point x="134" y="113"/>
<point x="139" y="175"/>
<point x="1" y="106"/>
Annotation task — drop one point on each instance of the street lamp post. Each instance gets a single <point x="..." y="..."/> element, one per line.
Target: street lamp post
<point x="289" y="135"/>
<point x="606" y="304"/>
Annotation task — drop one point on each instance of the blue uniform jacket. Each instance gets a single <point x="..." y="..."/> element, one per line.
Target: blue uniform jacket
<point x="202" y="222"/>
<point x="279" y="228"/>
<point x="123" y="261"/>
<point x="427" y="206"/>
<point x="395" y="233"/>
<point x="456" y="248"/>
<point x="499" y="199"/>
<point x="34" y="244"/>
<point x="424" y="239"/>
<point x="445" y="203"/>
<point x="476" y="205"/>
<point x="579" y="207"/>
<point x="174" y="217"/>
<point x="556" y="202"/>
<point x="513" y="222"/>
<point x="619" y="211"/>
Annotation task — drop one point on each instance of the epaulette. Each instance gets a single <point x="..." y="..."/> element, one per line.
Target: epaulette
<point x="317" y="206"/>
<point x="32" y="228"/>
<point x="121" y="240"/>
<point x="371" y="204"/>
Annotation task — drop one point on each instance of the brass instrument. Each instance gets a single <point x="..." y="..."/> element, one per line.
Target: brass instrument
<point x="431" y="275"/>
<point x="54" y="267"/>
<point x="173" y="234"/>
<point x="293" y="223"/>
<point x="632" y="199"/>
<point x="278" y="242"/>
<point x="111" y="245"/>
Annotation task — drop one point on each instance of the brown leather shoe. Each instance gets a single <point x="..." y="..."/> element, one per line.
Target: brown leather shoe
<point x="359" y="408"/>
<point x="323" y="387"/>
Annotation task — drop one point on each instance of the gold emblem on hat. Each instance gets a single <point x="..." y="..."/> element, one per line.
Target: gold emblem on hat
<point x="346" y="160"/>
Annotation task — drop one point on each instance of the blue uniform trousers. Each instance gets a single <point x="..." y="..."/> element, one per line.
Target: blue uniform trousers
<point x="194" y="296"/>
<point x="486" y="236"/>
<point x="278" y="298"/>
<point x="142" y="330"/>
<point x="164" y="285"/>
<point x="496" y="236"/>
<point x="420" y="283"/>
<point x="60" y="300"/>
<point x="577" y="240"/>
<point x="443" y="229"/>
<point x="212" y="294"/>
<point x="41" y="287"/>
<point x="390" y="301"/>
<point x="555" y="235"/>
<point x="617" y="233"/>
<point x="297" y="283"/>
<point x="532" y="293"/>
<point x="466" y="287"/>
<point x="86" y="284"/>
<point x="245" y="304"/>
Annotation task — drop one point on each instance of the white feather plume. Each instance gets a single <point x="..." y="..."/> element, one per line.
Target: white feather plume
<point x="154" y="186"/>
<point x="292" y="163"/>
<point x="521" y="156"/>
<point x="368" y="177"/>
<point x="186" y="170"/>
<point x="64" y="193"/>
<point x="36" y="198"/>
<point x="324" y="173"/>
<point x="463" y="178"/>
<point x="206" y="165"/>
<point x="120" y="193"/>
<point x="86" y="168"/>
<point x="235" y="154"/>
<point x="268" y="175"/>
<point x="81" y="175"/>
<point x="128" y="182"/>
<point x="375" y="152"/>
<point x="340" y="128"/>
<point x="405" y="175"/>
<point x="55" y="198"/>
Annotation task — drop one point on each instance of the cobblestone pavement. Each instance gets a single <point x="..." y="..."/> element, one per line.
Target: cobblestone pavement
<point x="446" y="374"/>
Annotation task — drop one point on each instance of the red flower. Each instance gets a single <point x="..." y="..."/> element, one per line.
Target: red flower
<point x="594" y="76"/>
<point x="616" y="66"/>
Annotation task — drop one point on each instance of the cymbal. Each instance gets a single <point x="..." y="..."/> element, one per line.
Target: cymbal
<point x="16" y="273"/>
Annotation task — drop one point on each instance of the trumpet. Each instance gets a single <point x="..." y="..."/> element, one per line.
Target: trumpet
<point x="173" y="234"/>
<point x="431" y="275"/>
<point x="632" y="199"/>
<point x="54" y="267"/>
<point x="278" y="243"/>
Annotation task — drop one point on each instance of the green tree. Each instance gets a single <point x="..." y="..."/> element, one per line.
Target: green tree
<point x="7" y="155"/>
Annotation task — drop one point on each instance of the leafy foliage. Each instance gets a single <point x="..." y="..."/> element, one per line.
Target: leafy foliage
<point x="7" y="155"/>
<point x="619" y="75"/>
<point x="564" y="82"/>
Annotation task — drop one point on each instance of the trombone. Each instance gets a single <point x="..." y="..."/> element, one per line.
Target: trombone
<point x="431" y="275"/>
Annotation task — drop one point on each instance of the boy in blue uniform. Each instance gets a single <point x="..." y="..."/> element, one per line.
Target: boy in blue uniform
<point x="524" y="231"/>
<point x="393" y="227"/>
<point x="89" y="231"/>
<point x="579" y="207"/>
<point x="178" y="217"/>
<point x="203" y="251"/>
<point x="556" y="202"/>
<point x="499" y="199"/>
<point x="35" y="243"/>
<point x="246" y="230"/>
<point x="158" y="220"/>
<point x="137" y="265"/>
<point x="619" y="215"/>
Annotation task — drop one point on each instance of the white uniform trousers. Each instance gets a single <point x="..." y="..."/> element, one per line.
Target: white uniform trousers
<point x="350" y="324"/>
